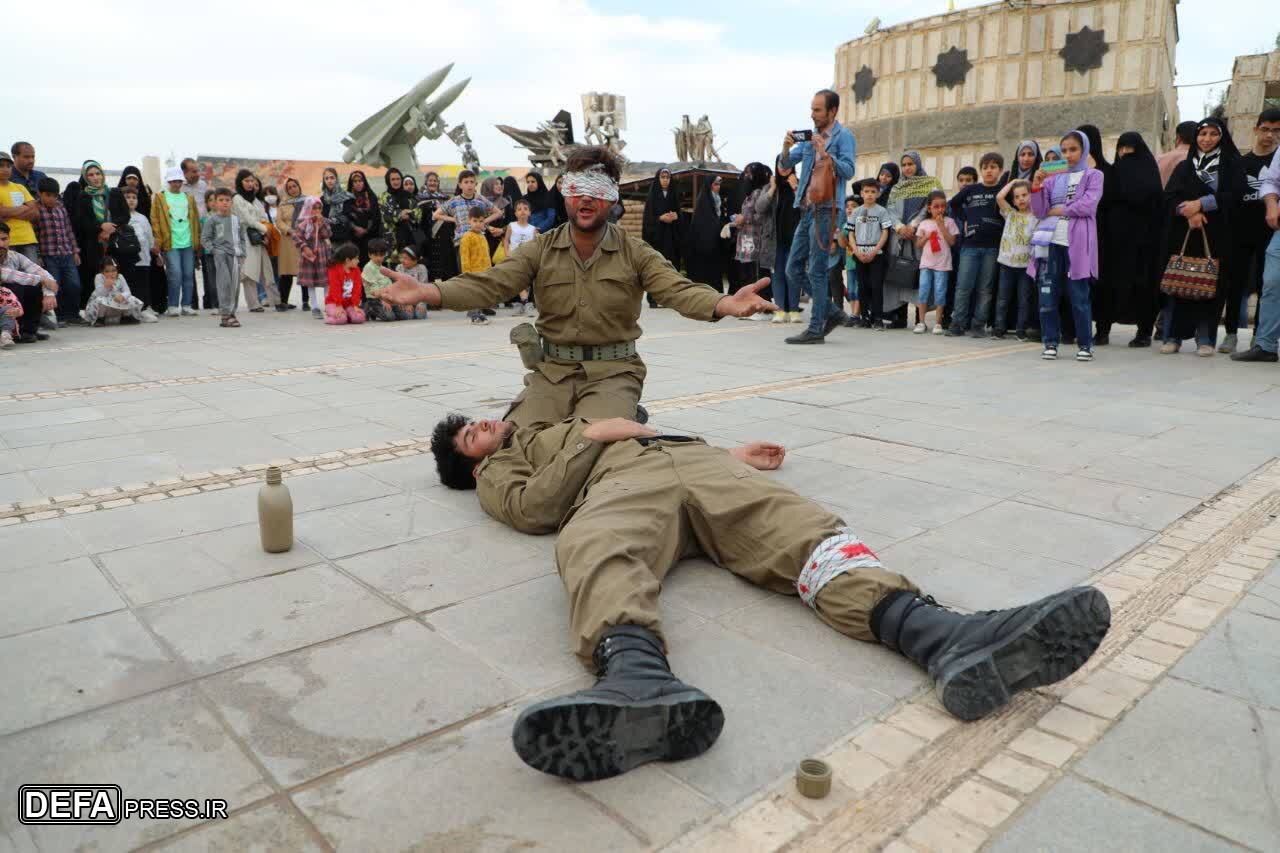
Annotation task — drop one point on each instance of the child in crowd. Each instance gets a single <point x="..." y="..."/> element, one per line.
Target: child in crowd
<point x="223" y="246"/>
<point x="871" y="224"/>
<point x="516" y="235"/>
<point x="458" y="210"/>
<point x="10" y="311"/>
<point x="976" y="210"/>
<point x="934" y="237"/>
<point x="1064" y="247"/>
<point x="345" y="293"/>
<point x="311" y="232"/>
<point x="1015" y="255"/>
<point x="852" y="285"/>
<point x="59" y="253"/>
<point x="208" y="268"/>
<point x="111" y="300"/>
<point x="141" y="273"/>
<point x="966" y="176"/>
<point x="473" y="253"/>
<point x="409" y="266"/>
<point x="375" y="281"/>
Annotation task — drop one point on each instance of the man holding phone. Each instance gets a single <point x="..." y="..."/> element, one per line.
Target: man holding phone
<point x="829" y="140"/>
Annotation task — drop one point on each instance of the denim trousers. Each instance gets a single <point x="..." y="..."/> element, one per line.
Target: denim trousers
<point x="786" y="292"/>
<point x="975" y="280"/>
<point x="805" y="249"/>
<point x="1015" y="284"/>
<point x="181" y="271"/>
<point x="1051" y="279"/>
<point x="1269" y="302"/>
<point x="63" y="269"/>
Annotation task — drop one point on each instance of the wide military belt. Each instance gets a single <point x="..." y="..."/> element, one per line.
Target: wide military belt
<point x="589" y="352"/>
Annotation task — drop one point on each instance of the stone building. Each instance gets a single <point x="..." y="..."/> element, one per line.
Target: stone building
<point x="956" y="85"/>
<point x="1255" y="86"/>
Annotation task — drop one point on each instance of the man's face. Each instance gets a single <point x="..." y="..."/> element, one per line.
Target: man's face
<point x="191" y="171"/>
<point x="25" y="159"/>
<point x="819" y="112"/>
<point x="1266" y="137"/>
<point x="587" y="213"/>
<point x="479" y="439"/>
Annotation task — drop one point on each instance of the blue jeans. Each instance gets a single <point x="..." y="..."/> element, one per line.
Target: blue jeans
<point x="1206" y="327"/>
<point x="1269" y="302"/>
<point x="852" y="287"/>
<point x="786" y="292"/>
<point x="977" y="273"/>
<point x="805" y="249"/>
<point x="933" y="288"/>
<point x="1051" y="277"/>
<point x="63" y="269"/>
<point x="180" y="270"/>
<point x="1015" y="284"/>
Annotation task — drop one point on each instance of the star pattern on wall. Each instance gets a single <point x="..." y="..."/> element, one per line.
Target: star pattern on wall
<point x="1084" y="50"/>
<point x="863" y="82"/>
<point x="952" y="67"/>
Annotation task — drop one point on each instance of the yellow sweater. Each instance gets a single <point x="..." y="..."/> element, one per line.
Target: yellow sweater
<point x="474" y="252"/>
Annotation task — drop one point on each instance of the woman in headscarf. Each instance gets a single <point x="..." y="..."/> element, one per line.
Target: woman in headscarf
<point x="363" y="211"/>
<point x="704" y="261"/>
<point x="334" y="200"/>
<point x="660" y="225"/>
<point x="511" y="190"/>
<point x="494" y="192"/>
<point x="1064" y="247"/>
<point x="1202" y="195"/>
<point x="287" y="263"/>
<point x="777" y="206"/>
<point x="1025" y="163"/>
<point x="557" y="202"/>
<point x="1134" y="227"/>
<point x="542" y="214"/>
<point x="1052" y="155"/>
<point x="98" y="213"/>
<point x="888" y="178"/>
<point x="311" y="233"/>
<point x="906" y="209"/>
<point x="132" y="177"/>
<point x="1104" y="287"/>
<point x="751" y="264"/>
<point x="399" y="212"/>
<point x="255" y="266"/>
<point x="442" y="261"/>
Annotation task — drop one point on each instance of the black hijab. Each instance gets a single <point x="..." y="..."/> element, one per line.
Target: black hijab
<point x="885" y="189"/>
<point x="539" y="199"/>
<point x="557" y="204"/>
<point x="245" y="194"/>
<point x="757" y="177"/>
<point x="1095" y="148"/>
<point x="1136" y="191"/>
<point x="364" y="199"/>
<point x="1208" y="166"/>
<point x="403" y="198"/>
<point x="657" y="204"/>
<point x="708" y="222"/>
<point x="144" y="194"/>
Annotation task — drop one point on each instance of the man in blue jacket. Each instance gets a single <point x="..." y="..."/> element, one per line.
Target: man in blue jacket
<point x="831" y="140"/>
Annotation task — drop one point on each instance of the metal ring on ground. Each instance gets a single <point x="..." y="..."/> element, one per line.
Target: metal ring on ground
<point x="813" y="778"/>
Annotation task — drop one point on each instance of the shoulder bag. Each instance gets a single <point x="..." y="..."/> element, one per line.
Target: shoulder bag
<point x="1191" y="278"/>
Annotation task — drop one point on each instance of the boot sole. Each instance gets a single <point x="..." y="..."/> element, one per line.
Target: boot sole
<point x="591" y="739"/>
<point x="1055" y="640"/>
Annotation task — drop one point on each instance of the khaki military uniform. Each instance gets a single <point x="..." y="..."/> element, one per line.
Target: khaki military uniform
<point x="629" y="511"/>
<point x="590" y="307"/>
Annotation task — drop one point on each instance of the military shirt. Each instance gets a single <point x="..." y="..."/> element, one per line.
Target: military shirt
<point x="596" y="301"/>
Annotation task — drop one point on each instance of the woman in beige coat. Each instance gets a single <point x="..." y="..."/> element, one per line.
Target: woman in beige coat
<point x="256" y="265"/>
<point x="287" y="212"/>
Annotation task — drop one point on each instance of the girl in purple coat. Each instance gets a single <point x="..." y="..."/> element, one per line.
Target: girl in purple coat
<point x="1064" y="248"/>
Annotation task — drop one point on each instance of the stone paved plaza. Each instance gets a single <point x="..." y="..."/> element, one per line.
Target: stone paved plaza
<point x="357" y="693"/>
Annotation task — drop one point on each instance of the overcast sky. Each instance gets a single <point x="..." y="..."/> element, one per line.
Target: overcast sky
<point x="288" y="79"/>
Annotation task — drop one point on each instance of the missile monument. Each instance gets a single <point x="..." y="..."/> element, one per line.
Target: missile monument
<point x="387" y="137"/>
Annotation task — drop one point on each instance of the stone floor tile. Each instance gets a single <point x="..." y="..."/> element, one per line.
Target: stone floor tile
<point x="44" y="595"/>
<point x="923" y="721"/>
<point x="853" y="766"/>
<point x="1240" y="656"/>
<point x="38" y="543"/>
<point x="69" y="668"/>
<point x="651" y="799"/>
<point x="941" y="831"/>
<point x="1014" y="773"/>
<point x="890" y="744"/>
<point x="221" y="628"/>
<point x="463" y="790"/>
<point x="308" y="712"/>
<point x="1075" y="817"/>
<point x="1043" y="747"/>
<point x="163" y="745"/>
<point x="709" y="590"/>
<point x="346" y="530"/>
<point x="1071" y="724"/>
<point x="266" y="828"/>
<point x="1134" y="758"/>
<point x="980" y="803"/>
<point x="1133" y="506"/>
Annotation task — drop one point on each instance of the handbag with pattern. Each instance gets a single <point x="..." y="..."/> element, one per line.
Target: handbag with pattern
<point x="1190" y="278"/>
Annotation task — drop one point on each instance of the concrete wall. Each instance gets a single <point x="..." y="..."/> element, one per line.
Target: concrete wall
<point x="1251" y="76"/>
<point x="1018" y="87"/>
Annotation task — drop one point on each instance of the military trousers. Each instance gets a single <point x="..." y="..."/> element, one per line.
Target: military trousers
<point x="671" y="500"/>
<point x="556" y="390"/>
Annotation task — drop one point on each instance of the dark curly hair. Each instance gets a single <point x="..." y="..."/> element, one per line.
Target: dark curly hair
<point x="583" y="157"/>
<point x="454" y="468"/>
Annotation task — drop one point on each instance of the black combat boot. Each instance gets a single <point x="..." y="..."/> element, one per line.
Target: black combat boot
<point x="978" y="662"/>
<point x="637" y="712"/>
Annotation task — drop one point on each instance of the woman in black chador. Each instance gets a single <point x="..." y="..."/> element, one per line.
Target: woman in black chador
<point x="1135" y="226"/>
<point x="705" y="260"/>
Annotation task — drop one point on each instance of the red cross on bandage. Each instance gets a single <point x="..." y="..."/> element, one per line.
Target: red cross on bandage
<point x="856" y="549"/>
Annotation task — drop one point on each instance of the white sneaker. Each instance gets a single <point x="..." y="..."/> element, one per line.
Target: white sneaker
<point x="939" y="329"/>
<point x="188" y="312"/>
<point x="919" y="329"/>
<point x="779" y="317"/>
<point x="148" y="316"/>
<point x="171" y="312"/>
<point x="795" y="317"/>
<point x="6" y="340"/>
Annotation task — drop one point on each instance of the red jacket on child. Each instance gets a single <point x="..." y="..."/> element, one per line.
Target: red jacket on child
<point x="345" y="287"/>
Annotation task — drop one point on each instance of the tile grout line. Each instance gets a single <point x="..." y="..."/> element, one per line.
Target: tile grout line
<point x="111" y="497"/>
<point x="1166" y="595"/>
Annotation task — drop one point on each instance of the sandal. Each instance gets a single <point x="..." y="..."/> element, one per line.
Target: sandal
<point x="230" y="323"/>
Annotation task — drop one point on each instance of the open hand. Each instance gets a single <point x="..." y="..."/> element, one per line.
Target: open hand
<point x="746" y="302"/>
<point x="407" y="290"/>
<point x="761" y="455"/>
<point x="617" y="429"/>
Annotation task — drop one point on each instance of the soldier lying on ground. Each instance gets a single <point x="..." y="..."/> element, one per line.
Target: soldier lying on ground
<point x="629" y="504"/>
